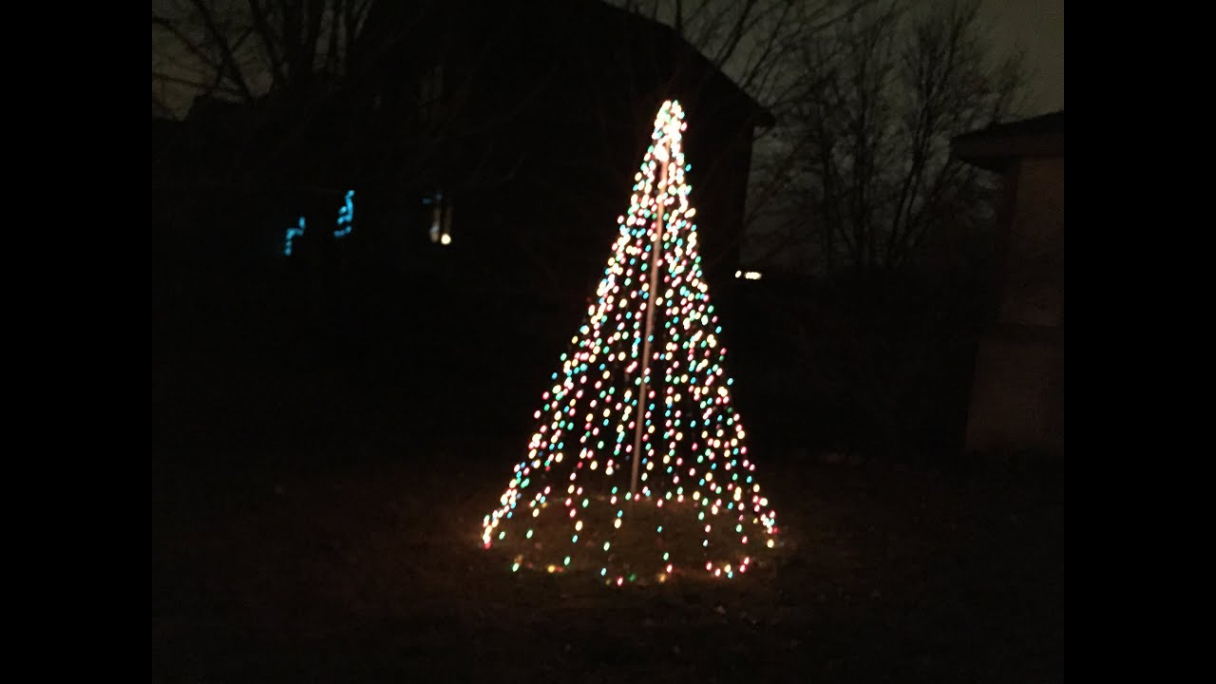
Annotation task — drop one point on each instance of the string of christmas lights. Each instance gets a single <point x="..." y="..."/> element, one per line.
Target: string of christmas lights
<point x="293" y="233"/>
<point x="345" y="223"/>
<point x="346" y="215"/>
<point x="638" y="427"/>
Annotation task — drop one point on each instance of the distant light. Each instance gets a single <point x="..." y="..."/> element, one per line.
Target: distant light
<point x="445" y="239"/>
<point x="748" y="275"/>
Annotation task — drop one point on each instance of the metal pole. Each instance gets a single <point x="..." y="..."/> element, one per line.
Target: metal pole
<point x="655" y="261"/>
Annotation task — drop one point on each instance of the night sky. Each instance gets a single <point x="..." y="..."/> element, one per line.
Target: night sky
<point x="1038" y="27"/>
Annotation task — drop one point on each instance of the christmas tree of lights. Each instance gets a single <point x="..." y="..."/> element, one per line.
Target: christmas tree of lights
<point x="638" y="468"/>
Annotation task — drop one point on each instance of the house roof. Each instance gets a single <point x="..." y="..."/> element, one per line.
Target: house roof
<point x="761" y="115"/>
<point x="995" y="147"/>
<point x="583" y="24"/>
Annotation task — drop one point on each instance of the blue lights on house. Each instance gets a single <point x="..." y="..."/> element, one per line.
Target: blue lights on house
<point x="346" y="216"/>
<point x="346" y="223"/>
<point x="292" y="233"/>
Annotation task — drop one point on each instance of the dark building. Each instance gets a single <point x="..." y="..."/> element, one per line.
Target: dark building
<point x="490" y="144"/>
<point x="1017" y="397"/>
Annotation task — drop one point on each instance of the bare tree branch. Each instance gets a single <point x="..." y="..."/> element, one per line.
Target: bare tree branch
<point x="220" y="38"/>
<point x="877" y="121"/>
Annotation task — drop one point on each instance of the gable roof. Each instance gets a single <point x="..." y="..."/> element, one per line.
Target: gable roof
<point x="586" y="25"/>
<point x="694" y="59"/>
<point x="995" y="147"/>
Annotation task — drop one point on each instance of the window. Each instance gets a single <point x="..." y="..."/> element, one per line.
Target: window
<point x="430" y="92"/>
<point x="441" y="218"/>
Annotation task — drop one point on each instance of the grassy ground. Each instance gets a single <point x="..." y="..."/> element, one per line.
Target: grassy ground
<point x="293" y="542"/>
<point x="316" y="517"/>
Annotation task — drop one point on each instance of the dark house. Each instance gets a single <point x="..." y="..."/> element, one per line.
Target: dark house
<point x="543" y="112"/>
<point x="493" y="144"/>
<point x="1017" y="396"/>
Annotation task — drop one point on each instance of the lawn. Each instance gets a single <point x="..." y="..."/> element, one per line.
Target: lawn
<point x="293" y="542"/>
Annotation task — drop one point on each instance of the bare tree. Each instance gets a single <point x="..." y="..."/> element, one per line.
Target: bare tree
<point x="756" y="43"/>
<point x="243" y="49"/>
<point x="880" y="95"/>
<point x="300" y="61"/>
<point x="883" y="93"/>
<point x="750" y="41"/>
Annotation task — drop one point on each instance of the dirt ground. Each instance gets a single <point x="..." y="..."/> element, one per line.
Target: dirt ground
<point x="290" y="545"/>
